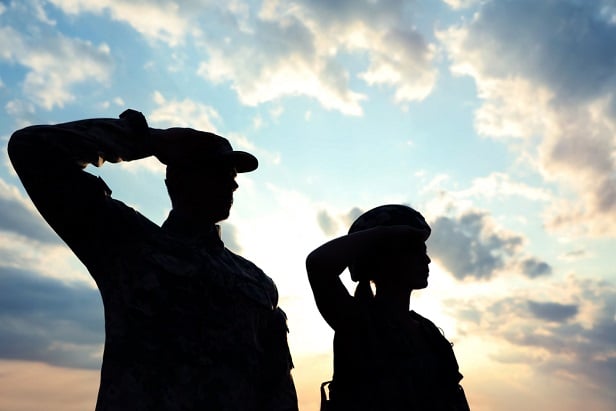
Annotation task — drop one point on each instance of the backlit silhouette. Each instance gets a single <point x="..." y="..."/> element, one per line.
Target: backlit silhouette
<point x="189" y="325"/>
<point x="385" y="357"/>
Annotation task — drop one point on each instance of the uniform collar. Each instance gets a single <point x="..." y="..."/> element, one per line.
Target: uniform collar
<point x="180" y="226"/>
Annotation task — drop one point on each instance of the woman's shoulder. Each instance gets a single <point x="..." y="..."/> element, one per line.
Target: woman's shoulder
<point x="423" y="321"/>
<point x="431" y="330"/>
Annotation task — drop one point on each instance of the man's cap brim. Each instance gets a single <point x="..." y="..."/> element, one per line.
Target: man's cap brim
<point x="242" y="161"/>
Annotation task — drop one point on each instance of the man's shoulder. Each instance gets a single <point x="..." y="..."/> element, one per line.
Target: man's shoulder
<point x="251" y="280"/>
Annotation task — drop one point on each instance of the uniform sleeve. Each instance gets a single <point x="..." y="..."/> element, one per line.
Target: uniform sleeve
<point x="280" y="393"/>
<point x="50" y="162"/>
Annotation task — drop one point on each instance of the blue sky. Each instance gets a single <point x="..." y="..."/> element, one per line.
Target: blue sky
<point x="496" y="119"/>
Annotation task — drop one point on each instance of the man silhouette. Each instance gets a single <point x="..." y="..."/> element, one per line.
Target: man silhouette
<point x="189" y="325"/>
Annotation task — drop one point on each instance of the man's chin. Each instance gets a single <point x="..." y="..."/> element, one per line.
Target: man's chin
<point x="222" y="216"/>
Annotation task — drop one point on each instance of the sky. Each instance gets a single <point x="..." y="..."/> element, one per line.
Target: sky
<point x="496" y="119"/>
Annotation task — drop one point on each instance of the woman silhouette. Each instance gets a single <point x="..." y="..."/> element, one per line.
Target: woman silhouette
<point x="385" y="357"/>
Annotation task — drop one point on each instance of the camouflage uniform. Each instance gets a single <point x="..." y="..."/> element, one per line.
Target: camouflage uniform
<point x="189" y="325"/>
<point x="378" y="367"/>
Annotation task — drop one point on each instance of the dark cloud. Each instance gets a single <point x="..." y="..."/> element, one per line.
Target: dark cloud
<point x="532" y="268"/>
<point x="330" y="224"/>
<point x="15" y="217"/>
<point x="568" y="45"/>
<point x="468" y="247"/>
<point x="560" y="61"/>
<point x="574" y="339"/>
<point x="575" y="254"/>
<point x="352" y="215"/>
<point x="313" y="39"/>
<point x="553" y="311"/>
<point x="44" y="319"/>
<point x="327" y="223"/>
<point x="378" y="12"/>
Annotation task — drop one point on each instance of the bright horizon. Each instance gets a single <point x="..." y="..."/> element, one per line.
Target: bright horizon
<point x="495" y="119"/>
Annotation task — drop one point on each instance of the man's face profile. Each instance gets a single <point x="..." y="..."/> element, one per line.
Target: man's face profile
<point x="203" y="193"/>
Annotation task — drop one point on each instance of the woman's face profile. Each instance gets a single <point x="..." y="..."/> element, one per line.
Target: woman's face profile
<point x="408" y="265"/>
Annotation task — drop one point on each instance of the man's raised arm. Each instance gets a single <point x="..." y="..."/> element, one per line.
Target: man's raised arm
<point x="49" y="160"/>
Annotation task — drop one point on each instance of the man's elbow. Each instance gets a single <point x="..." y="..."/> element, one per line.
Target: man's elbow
<point x="21" y="147"/>
<point x="15" y="146"/>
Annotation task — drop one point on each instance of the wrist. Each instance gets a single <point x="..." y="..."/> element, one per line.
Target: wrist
<point x="137" y="123"/>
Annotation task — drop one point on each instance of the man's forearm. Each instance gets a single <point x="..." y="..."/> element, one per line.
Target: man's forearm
<point x="81" y="142"/>
<point x="49" y="160"/>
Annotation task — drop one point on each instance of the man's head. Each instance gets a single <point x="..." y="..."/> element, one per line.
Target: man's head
<point x="201" y="171"/>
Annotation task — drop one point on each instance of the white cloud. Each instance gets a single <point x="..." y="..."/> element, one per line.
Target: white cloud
<point x="549" y="85"/>
<point x="160" y="20"/>
<point x="55" y="64"/>
<point x="495" y="186"/>
<point x="174" y="113"/>
<point x="398" y="59"/>
<point x="460" y="4"/>
<point x="306" y="43"/>
<point x="40" y="13"/>
<point x="188" y="113"/>
<point x="501" y="185"/>
<point x="283" y="49"/>
<point x="21" y="111"/>
<point x="257" y="122"/>
<point x="183" y="113"/>
<point x="289" y="75"/>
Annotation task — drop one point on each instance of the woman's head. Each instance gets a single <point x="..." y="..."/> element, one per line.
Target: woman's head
<point x="402" y="262"/>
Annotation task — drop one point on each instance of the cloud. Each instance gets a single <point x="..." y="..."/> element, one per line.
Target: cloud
<point x="472" y="246"/>
<point x="338" y="223"/>
<point x="469" y="245"/>
<point x="17" y="215"/>
<point x="551" y="311"/>
<point x="174" y="113"/>
<point x="159" y="21"/>
<point x="550" y="87"/>
<point x="44" y="53"/>
<point x="502" y="185"/>
<point x="291" y="67"/>
<point x="500" y="188"/>
<point x="460" y="4"/>
<point x="566" y="327"/>
<point x="277" y="49"/>
<point x="327" y="223"/>
<point x="575" y="254"/>
<point x="23" y="112"/>
<point x="45" y="319"/>
<point x="184" y="113"/>
<point x="532" y="267"/>
<point x="189" y="113"/>
<point x="302" y="46"/>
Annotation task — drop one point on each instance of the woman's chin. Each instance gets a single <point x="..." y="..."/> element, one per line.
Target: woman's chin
<point x="419" y="285"/>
